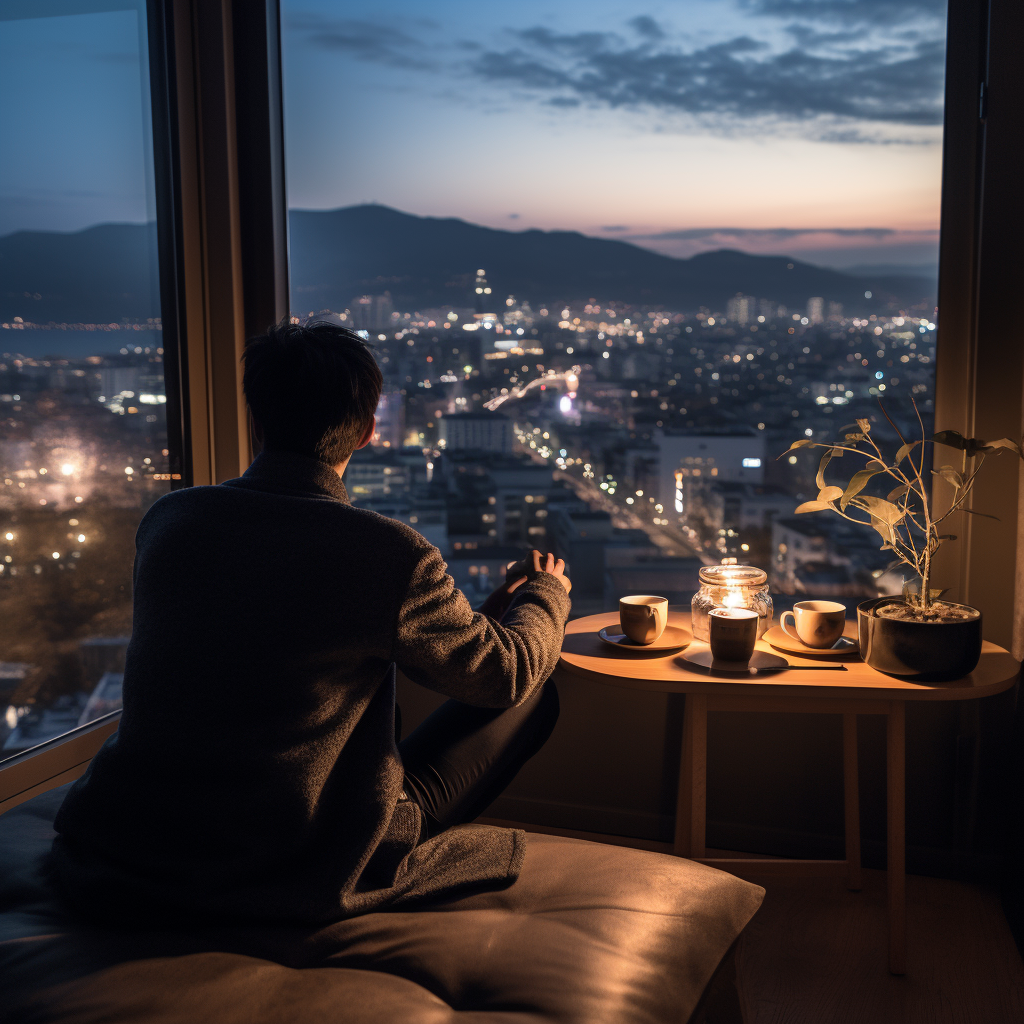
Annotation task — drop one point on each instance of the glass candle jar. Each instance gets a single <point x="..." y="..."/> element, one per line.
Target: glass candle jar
<point x="731" y="586"/>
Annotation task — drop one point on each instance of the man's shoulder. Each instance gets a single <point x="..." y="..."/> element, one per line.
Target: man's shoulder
<point x="219" y="499"/>
<point x="394" y="528"/>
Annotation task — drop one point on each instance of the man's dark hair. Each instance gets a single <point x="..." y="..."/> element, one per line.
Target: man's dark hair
<point x="312" y="388"/>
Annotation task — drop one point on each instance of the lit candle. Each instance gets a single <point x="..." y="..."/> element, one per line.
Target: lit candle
<point x="731" y="586"/>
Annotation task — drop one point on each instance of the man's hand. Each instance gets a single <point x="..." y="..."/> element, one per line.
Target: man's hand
<point x="516" y="575"/>
<point x="535" y="563"/>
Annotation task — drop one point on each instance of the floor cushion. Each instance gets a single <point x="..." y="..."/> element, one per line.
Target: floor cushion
<point x="589" y="933"/>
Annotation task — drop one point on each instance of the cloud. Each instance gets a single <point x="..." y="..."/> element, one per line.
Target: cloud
<point x="741" y="78"/>
<point x="851" y="12"/>
<point x="840" y="71"/>
<point x="365" y="40"/>
<point x="617" y="227"/>
<point x="646" y="26"/>
<point x="767" y="234"/>
<point x="833" y="246"/>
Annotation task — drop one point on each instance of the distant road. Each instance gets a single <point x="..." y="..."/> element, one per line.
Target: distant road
<point x="670" y="540"/>
<point x="569" y="377"/>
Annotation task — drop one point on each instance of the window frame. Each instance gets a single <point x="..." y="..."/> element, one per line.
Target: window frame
<point x="979" y="386"/>
<point x="223" y="234"/>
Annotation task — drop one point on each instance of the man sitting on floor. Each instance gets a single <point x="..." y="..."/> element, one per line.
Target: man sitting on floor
<point x="255" y="774"/>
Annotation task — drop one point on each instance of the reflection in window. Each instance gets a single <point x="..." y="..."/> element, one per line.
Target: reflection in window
<point x="83" y="431"/>
<point x="620" y="260"/>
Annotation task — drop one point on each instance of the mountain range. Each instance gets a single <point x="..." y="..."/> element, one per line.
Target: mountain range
<point x="104" y="273"/>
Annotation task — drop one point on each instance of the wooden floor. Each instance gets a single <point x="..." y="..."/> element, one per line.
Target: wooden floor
<point x="815" y="954"/>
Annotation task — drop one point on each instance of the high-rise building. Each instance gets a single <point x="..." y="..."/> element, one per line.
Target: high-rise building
<point x="390" y="420"/>
<point x="484" y="431"/>
<point x="816" y="309"/>
<point x="372" y="312"/>
<point x="740" y="308"/>
<point x="695" y="457"/>
<point x="483" y="301"/>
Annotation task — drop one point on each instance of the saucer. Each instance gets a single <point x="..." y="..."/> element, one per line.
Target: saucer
<point x="700" y="655"/>
<point x="782" y="641"/>
<point x="673" y="638"/>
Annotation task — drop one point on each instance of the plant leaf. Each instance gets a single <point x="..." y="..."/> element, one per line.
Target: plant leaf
<point x="830" y="493"/>
<point x="802" y="443"/>
<point x="860" y="480"/>
<point x="885" y="531"/>
<point x="865" y="425"/>
<point x="819" y="478"/>
<point x="879" y="508"/>
<point x="905" y="451"/>
<point x="971" y="512"/>
<point x="951" y="439"/>
<point x="1003" y="442"/>
<point x="897" y="492"/>
<point x="856" y="437"/>
<point x="973" y="445"/>
<point x="950" y="475"/>
<point x="813" y="506"/>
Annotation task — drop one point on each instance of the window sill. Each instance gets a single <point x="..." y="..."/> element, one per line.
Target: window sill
<point x="53" y="763"/>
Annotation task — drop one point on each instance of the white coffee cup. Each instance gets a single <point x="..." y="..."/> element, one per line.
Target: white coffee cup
<point x="643" y="618"/>
<point x="818" y="623"/>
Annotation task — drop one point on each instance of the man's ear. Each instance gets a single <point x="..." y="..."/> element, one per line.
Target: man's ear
<point x="367" y="433"/>
<point x="257" y="428"/>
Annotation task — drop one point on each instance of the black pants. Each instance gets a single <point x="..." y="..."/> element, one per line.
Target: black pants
<point x="461" y="758"/>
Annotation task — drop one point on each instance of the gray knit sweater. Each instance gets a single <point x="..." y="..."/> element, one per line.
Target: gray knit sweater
<point x="255" y="775"/>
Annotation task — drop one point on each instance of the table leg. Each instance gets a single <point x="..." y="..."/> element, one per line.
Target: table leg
<point x="851" y="801"/>
<point x="691" y="806"/>
<point x="896" y="783"/>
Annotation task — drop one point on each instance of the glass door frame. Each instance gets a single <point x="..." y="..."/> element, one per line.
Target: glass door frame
<point x="219" y="141"/>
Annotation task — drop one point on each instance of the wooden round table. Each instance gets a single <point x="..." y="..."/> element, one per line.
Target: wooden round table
<point x="859" y="690"/>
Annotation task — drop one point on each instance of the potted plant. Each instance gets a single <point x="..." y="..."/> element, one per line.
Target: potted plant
<point x="917" y="636"/>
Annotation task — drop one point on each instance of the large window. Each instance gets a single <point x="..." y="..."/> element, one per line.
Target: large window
<point x="615" y="261"/>
<point x="83" y="426"/>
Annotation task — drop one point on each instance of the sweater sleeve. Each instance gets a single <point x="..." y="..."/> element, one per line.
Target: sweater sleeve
<point x="441" y="643"/>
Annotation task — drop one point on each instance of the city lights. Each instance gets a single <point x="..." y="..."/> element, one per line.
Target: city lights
<point x="618" y="431"/>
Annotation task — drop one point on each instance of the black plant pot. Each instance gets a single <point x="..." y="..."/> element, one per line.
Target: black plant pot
<point x="920" y="652"/>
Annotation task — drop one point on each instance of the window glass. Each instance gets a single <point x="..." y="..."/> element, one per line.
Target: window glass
<point x="614" y="260"/>
<point x="83" y="429"/>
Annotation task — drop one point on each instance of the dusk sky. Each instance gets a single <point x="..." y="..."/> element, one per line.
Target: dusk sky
<point x="73" y="117"/>
<point x="807" y="127"/>
<point x="679" y="124"/>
